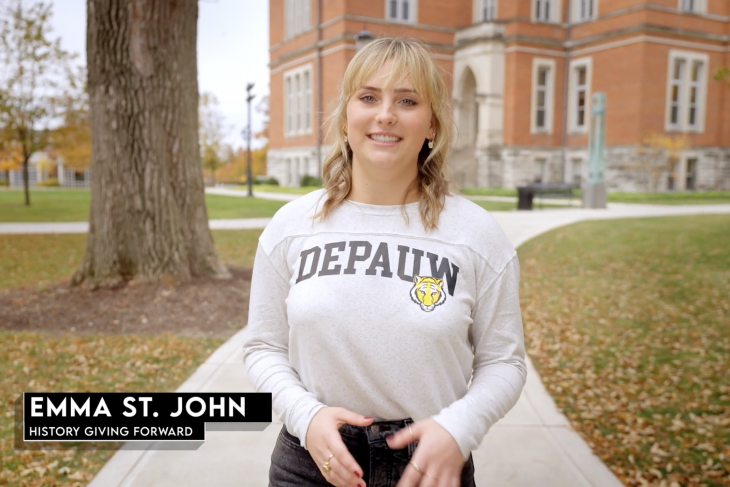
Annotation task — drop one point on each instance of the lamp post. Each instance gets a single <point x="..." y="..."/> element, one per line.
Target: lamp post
<point x="249" y="181"/>
<point x="363" y="38"/>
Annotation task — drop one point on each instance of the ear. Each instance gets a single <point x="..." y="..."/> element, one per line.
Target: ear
<point x="439" y="282"/>
<point x="417" y="280"/>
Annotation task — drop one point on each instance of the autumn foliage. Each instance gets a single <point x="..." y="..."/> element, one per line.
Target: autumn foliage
<point x="627" y="322"/>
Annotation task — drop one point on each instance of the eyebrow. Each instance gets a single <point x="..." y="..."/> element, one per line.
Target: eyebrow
<point x="397" y="90"/>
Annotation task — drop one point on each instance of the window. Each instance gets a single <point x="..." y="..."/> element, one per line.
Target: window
<point x="542" y="10"/>
<point x="579" y="93"/>
<point x="584" y="10"/>
<point x="307" y="102"/>
<point x="489" y="10"/>
<point x="297" y="17"/>
<point x="694" y="89"/>
<point x="691" y="174"/>
<point x="686" y="91"/>
<point x="297" y="104"/>
<point x="298" y="96"/>
<point x="542" y="95"/>
<point x="289" y="103"/>
<point x="676" y="90"/>
<point x="400" y="10"/>
<point x="580" y="96"/>
<point x="693" y="6"/>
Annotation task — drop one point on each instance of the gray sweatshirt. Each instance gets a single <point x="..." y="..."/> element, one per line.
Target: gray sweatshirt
<point x="369" y="311"/>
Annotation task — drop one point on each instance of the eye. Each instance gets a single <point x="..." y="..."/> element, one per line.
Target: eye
<point x="367" y="98"/>
<point x="409" y="102"/>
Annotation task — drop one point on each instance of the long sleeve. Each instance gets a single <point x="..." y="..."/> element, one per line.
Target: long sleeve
<point x="266" y="348"/>
<point x="499" y="370"/>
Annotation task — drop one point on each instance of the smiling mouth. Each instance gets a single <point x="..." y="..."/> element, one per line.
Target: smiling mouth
<point x="384" y="138"/>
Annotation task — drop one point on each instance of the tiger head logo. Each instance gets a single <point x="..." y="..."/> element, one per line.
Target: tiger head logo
<point x="427" y="292"/>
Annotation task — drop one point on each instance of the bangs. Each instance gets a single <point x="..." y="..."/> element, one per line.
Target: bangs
<point x="407" y="64"/>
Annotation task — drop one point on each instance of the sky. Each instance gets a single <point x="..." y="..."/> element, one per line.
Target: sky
<point x="233" y="49"/>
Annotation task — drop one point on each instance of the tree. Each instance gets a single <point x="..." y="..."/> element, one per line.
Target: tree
<point x="235" y="170"/>
<point x="71" y="141"/>
<point x="656" y="156"/>
<point x="148" y="218"/>
<point x="721" y="74"/>
<point x="213" y="150"/>
<point x="11" y="156"/>
<point x="33" y="69"/>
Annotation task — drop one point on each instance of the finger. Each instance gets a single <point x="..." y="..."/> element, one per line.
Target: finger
<point x="347" y="467"/>
<point x="341" y="476"/>
<point x="410" y="477"/>
<point x="404" y="437"/>
<point x="345" y="416"/>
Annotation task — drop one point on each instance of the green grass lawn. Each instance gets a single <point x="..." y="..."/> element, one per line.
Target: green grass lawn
<point x="489" y="192"/>
<point x="628" y="323"/>
<point x="269" y="188"/>
<point x="676" y="198"/>
<point x="60" y="205"/>
<point x="37" y="362"/>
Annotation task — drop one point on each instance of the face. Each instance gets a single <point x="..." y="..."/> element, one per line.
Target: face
<point x="386" y="128"/>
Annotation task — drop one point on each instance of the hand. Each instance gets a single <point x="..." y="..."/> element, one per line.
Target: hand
<point x="437" y="455"/>
<point x="324" y="439"/>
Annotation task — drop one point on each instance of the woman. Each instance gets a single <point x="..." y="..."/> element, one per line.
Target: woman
<point x="375" y="300"/>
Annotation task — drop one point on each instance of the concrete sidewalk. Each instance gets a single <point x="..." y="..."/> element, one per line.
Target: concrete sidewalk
<point x="533" y="445"/>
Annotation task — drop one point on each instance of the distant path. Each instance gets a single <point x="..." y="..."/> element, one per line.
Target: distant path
<point x="546" y="218"/>
<point x="243" y="193"/>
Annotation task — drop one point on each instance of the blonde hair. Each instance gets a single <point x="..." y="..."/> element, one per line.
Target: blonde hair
<point x="411" y="59"/>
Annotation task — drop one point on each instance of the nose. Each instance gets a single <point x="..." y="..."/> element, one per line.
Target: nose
<point x="385" y="115"/>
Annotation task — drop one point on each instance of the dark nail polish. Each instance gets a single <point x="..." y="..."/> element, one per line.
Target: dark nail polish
<point x="356" y="474"/>
<point x="368" y="417"/>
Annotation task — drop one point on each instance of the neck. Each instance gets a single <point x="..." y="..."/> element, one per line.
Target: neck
<point x="382" y="186"/>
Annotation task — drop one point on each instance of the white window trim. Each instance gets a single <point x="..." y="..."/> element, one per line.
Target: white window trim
<point x="573" y="127"/>
<point x="575" y="14"/>
<point x="683" y="126"/>
<point x="301" y="99"/>
<point x="477" y="11"/>
<point x="700" y="7"/>
<point x="555" y="12"/>
<point x="538" y="63"/>
<point x="412" y="14"/>
<point x="297" y="17"/>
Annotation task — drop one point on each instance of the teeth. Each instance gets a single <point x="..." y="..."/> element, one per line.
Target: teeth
<point x="384" y="138"/>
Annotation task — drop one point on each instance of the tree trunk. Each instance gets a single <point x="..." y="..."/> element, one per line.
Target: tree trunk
<point x="148" y="218"/>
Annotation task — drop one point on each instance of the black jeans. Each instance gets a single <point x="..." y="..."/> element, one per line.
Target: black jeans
<point x="293" y="466"/>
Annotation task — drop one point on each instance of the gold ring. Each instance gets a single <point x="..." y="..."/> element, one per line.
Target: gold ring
<point x="415" y="466"/>
<point x="327" y="468"/>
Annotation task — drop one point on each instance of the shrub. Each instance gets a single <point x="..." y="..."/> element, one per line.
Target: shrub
<point x="3" y="182"/>
<point x="270" y="181"/>
<point x="48" y="182"/>
<point x="308" y="180"/>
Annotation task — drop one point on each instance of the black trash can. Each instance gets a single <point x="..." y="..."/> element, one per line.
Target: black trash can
<point x="524" y="197"/>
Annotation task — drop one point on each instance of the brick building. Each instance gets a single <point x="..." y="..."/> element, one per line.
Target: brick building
<point x="507" y="62"/>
